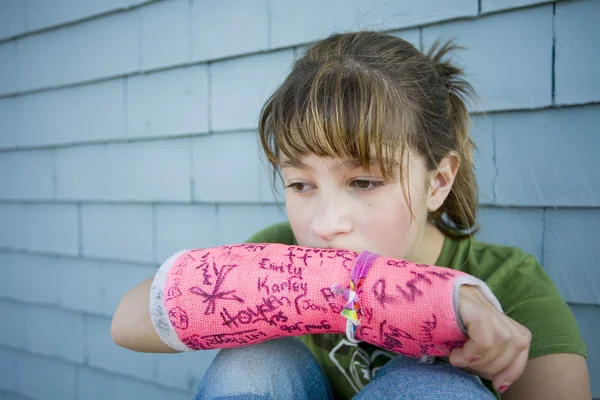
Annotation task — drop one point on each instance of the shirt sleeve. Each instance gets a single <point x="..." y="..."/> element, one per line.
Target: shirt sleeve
<point x="277" y="233"/>
<point x="529" y="296"/>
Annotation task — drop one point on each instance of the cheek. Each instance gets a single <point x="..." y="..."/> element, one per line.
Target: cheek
<point x="389" y="227"/>
<point x="298" y="218"/>
<point x="387" y="220"/>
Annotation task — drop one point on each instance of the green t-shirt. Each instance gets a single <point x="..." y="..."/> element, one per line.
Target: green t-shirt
<point x="523" y="288"/>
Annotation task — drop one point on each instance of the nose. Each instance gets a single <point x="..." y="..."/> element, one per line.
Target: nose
<point x="330" y="218"/>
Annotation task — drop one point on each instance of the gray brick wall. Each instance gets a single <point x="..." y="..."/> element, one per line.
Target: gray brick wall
<point x="122" y="121"/>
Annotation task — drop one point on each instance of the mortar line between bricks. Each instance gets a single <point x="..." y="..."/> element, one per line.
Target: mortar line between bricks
<point x="494" y="160"/>
<point x="209" y="95"/>
<point x="553" y="66"/>
<point x="77" y="21"/>
<point x="92" y="368"/>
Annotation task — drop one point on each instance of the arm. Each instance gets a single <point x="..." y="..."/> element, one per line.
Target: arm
<point x="550" y="377"/>
<point x="131" y="325"/>
<point x="239" y="295"/>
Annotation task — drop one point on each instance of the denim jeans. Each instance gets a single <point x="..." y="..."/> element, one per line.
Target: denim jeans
<point x="286" y="369"/>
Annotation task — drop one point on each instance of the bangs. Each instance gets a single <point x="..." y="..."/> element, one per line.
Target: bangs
<point x="337" y="111"/>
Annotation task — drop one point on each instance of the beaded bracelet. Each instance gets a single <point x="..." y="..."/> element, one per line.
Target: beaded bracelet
<point x="352" y="311"/>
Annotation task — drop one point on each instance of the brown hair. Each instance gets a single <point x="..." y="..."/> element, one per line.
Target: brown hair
<point x="369" y="96"/>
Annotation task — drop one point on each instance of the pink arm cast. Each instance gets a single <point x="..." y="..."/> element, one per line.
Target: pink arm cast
<point x="244" y="294"/>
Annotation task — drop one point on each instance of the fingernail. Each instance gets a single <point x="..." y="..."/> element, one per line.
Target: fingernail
<point x="503" y="388"/>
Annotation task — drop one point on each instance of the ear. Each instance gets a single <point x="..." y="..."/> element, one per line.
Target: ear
<point x="441" y="181"/>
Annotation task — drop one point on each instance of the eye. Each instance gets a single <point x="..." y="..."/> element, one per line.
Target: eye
<point x="365" y="185"/>
<point x="299" y="187"/>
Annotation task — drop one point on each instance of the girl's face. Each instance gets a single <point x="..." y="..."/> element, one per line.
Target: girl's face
<point x="333" y="204"/>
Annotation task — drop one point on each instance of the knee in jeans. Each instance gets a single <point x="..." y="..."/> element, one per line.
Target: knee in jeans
<point x="406" y="378"/>
<point x="263" y="357"/>
<point x="282" y="368"/>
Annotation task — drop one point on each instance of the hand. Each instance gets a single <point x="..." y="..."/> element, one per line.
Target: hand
<point x="497" y="348"/>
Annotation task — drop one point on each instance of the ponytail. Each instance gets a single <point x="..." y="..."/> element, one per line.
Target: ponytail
<point x="458" y="215"/>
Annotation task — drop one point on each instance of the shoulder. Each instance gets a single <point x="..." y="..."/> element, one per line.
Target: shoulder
<point x="492" y="263"/>
<point x="276" y="233"/>
<point x="507" y="270"/>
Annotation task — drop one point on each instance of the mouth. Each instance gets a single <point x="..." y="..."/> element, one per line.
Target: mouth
<point x="339" y="248"/>
<point x="325" y="247"/>
<point x="330" y="246"/>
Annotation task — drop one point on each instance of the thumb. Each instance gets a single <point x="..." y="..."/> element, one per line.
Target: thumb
<point x="458" y="359"/>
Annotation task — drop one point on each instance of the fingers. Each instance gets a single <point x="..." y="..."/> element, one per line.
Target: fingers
<point x="491" y="341"/>
<point x="504" y="379"/>
<point x="502" y="371"/>
<point x="458" y="359"/>
<point x="500" y="363"/>
<point x="497" y="349"/>
<point x="498" y="346"/>
<point x="483" y="360"/>
<point x="515" y="349"/>
<point x="494" y="350"/>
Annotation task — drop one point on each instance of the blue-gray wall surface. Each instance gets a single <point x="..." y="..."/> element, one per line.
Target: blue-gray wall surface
<point x="128" y="132"/>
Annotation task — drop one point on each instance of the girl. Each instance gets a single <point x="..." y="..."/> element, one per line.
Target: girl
<point x="371" y="140"/>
